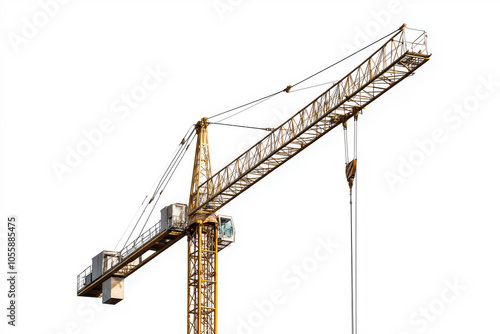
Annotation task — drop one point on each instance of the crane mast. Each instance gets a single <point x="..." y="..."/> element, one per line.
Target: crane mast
<point x="394" y="61"/>
<point x="202" y="245"/>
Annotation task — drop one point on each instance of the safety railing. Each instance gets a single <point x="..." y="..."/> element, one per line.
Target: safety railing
<point x="416" y="40"/>
<point x="110" y="261"/>
<point x="140" y="241"/>
<point x="84" y="278"/>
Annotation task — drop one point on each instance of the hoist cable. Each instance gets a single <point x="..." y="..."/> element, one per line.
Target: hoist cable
<point x="172" y="159"/>
<point x="353" y="272"/>
<point x="167" y="178"/>
<point x="137" y="222"/>
<point x="131" y="221"/>
<point x="346" y="57"/>
<point x="264" y="100"/>
<point x="239" y="112"/>
<point x="346" y="148"/>
<point x="321" y="84"/>
<point x="287" y="89"/>
<point x="353" y="221"/>
<point x="153" y="186"/>
<point x="354" y="237"/>
<point x="162" y="178"/>
<point x="353" y="317"/>
<point x="242" y="126"/>
<point x="166" y="183"/>
<point x="246" y="104"/>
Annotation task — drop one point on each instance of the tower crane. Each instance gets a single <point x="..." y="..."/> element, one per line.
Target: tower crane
<point x="207" y="231"/>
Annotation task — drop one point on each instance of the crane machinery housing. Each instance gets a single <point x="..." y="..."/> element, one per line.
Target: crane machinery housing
<point x="206" y="230"/>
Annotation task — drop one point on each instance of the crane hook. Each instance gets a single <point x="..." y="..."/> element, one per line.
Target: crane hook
<point x="350" y="172"/>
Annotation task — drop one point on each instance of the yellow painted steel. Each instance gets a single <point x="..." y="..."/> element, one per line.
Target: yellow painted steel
<point x="394" y="61"/>
<point x="390" y="64"/>
<point x="202" y="278"/>
<point x="202" y="235"/>
<point x="202" y="170"/>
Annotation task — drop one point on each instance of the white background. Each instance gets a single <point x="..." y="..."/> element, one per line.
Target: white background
<point x="438" y="224"/>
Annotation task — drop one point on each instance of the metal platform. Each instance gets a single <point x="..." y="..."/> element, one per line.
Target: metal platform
<point x="139" y="252"/>
<point x="142" y="250"/>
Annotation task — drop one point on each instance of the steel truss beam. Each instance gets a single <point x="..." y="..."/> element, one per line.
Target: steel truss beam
<point x="390" y="64"/>
<point x="202" y="278"/>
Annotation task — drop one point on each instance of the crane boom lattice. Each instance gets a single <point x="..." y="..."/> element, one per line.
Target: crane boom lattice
<point x="207" y="232"/>
<point x="390" y="64"/>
